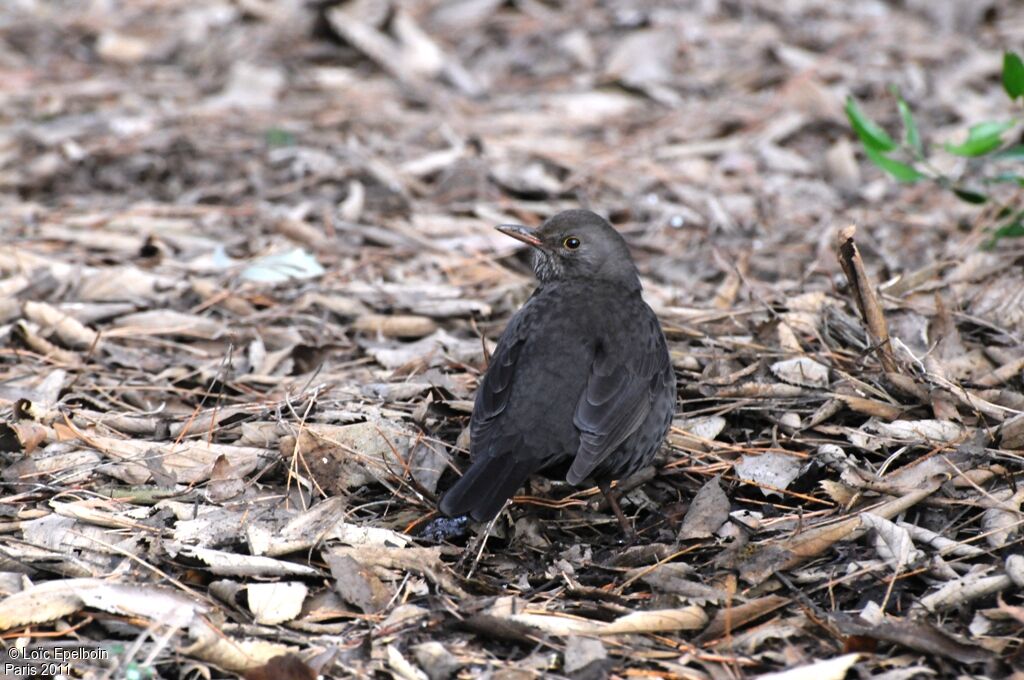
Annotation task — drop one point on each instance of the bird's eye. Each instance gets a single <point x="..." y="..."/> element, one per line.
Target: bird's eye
<point x="572" y="243"/>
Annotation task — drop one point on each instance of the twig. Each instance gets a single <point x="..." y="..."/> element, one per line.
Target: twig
<point x="864" y="295"/>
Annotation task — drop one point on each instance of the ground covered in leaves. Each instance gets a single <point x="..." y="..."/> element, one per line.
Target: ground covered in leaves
<point x="248" y="283"/>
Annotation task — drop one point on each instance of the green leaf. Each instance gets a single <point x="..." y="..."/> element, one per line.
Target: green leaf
<point x="911" y="135"/>
<point x="900" y="171"/>
<point x="1012" y="229"/>
<point x="981" y="139"/>
<point x="1005" y="178"/>
<point x="1015" y="229"/>
<point x="969" y="196"/>
<point x="869" y="132"/>
<point x="1010" y="153"/>
<point x="1013" y="74"/>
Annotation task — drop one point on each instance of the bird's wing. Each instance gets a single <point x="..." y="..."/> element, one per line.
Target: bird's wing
<point x="493" y="392"/>
<point x="623" y="380"/>
<point x="495" y="474"/>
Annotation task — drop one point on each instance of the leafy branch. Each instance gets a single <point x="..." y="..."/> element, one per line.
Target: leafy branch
<point x="907" y="160"/>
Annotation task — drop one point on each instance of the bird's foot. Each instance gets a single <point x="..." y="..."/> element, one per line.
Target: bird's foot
<point x="613" y="501"/>
<point x="442" y="529"/>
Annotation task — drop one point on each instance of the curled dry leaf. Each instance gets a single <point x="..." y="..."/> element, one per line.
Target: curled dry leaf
<point x="401" y="667"/>
<point x="864" y="295"/>
<point x="55" y="599"/>
<point x="964" y="590"/>
<point x="231" y="564"/>
<point x="892" y="542"/>
<point x="944" y="545"/>
<point x="102" y="512"/>
<point x="916" y="635"/>
<point x="207" y="526"/>
<point x="1015" y="569"/>
<point x="437" y="349"/>
<point x="729" y="618"/>
<point x="801" y="371"/>
<point x="1011" y="433"/>
<point x="71" y="465"/>
<point x="23" y="436"/>
<point x="38" y="399"/>
<point x="124" y="283"/>
<point x="28" y="335"/>
<point x="920" y="430"/>
<point x="72" y="333"/>
<point x="393" y="326"/>
<point x="679" y="579"/>
<point x="190" y="462"/>
<point x="168" y="322"/>
<point x="320" y="523"/>
<point x="211" y="645"/>
<point x="1004" y="521"/>
<point x="653" y="621"/>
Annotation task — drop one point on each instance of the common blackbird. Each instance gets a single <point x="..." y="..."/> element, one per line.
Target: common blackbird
<point x="580" y="383"/>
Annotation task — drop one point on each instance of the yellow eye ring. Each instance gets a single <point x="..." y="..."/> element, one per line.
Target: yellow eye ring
<point x="572" y="243"/>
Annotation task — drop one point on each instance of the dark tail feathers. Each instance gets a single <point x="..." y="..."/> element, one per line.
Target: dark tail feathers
<point x="486" y="485"/>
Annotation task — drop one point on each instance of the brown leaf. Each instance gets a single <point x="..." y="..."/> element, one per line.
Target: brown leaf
<point x="919" y="636"/>
<point x="284" y="667"/>
<point x="708" y="511"/>
<point x="395" y="326"/>
<point x="358" y="584"/>
<point x="72" y="333"/>
<point x="732" y="618"/>
<point x="23" y="436"/>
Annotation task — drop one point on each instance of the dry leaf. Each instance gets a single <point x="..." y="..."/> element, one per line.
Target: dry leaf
<point x="801" y="371"/>
<point x="829" y="669"/>
<point x="771" y="471"/>
<point x="892" y="542"/>
<point x="358" y="584"/>
<point x="284" y="667"/>
<point x="708" y="511"/>
<point x="274" y="603"/>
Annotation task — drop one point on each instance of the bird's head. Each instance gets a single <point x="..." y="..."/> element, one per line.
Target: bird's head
<point x="577" y="244"/>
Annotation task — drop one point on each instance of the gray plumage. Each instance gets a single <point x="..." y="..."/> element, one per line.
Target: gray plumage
<point x="580" y="382"/>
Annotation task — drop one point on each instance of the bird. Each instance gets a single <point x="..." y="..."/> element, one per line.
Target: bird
<point x="580" y="384"/>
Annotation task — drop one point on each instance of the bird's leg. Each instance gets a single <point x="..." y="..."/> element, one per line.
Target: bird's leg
<point x="613" y="501"/>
